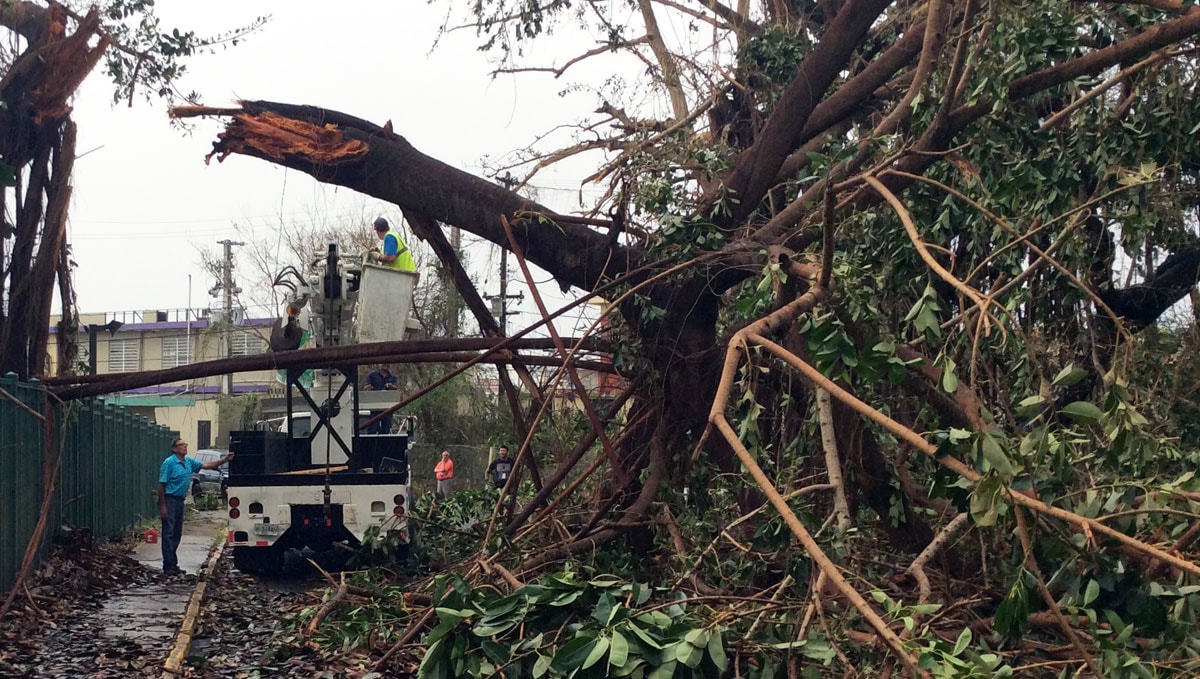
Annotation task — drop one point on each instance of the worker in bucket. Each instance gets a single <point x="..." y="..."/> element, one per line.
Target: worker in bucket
<point x="174" y="481"/>
<point x="393" y="253"/>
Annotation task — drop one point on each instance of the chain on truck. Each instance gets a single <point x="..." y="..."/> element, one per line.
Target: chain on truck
<point x="311" y="491"/>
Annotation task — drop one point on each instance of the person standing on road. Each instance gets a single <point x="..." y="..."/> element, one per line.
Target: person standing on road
<point x="174" y="480"/>
<point x="381" y="380"/>
<point x="500" y="468"/>
<point x="443" y="471"/>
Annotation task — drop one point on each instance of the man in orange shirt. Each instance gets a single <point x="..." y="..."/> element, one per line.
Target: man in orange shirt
<point x="444" y="471"/>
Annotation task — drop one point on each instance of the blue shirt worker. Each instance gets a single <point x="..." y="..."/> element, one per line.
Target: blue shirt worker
<point x="174" y="481"/>
<point x="394" y="253"/>
<point x="381" y="380"/>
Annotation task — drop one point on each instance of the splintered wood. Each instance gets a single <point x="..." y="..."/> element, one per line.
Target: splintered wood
<point x="50" y="73"/>
<point x="275" y="136"/>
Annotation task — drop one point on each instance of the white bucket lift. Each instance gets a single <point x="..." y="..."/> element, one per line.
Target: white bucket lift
<point x="384" y="306"/>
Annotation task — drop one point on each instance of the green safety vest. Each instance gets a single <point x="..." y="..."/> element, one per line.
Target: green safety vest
<point x="404" y="259"/>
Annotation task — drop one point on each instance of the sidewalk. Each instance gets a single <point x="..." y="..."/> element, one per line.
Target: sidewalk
<point x="199" y="531"/>
<point x="151" y="613"/>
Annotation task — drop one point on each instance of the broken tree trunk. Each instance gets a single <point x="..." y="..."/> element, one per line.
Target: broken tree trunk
<point x="428" y="351"/>
<point x="339" y="149"/>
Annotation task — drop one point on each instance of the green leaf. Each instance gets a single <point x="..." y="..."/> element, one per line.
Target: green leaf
<point x="716" y="651"/>
<point x="442" y="629"/>
<point x="646" y="637"/>
<point x="664" y="671"/>
<point x="504" y="606"/>
<point x="1082" y="412"/>
<point x="1012" y="615"/>
<point x="488" y="629"/>
<point x="949" y="379"/>
<point x="454" y="614"/>
<point x="597" y="653"/>
<point x="995" y="456"/>
<point x="433" y="665"/>
<point x="689" y="655"/>
<point x="697" y="637"/>
<point x="541" y="665"/>
<point x="1029" y="406"/>
<point x="572" y="654"/>
<point x="619" y="650"/>
<point x="985" y="500"/>
<point x="566" y="598"/>
<point x="604" y="609"/>
<point x="629" y="668"/>
<point x="1068" y="376"/>
<point x="958" y="435"/>
<point x="496" y="652"/>
<point x="818" y="649"/>
<point x="1091" y="592"/>
<point x="964" y="639"/>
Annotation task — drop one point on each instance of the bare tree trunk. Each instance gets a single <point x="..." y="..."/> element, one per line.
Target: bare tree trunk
<point x="833" y="462"/>
<point x="670" y="74"/>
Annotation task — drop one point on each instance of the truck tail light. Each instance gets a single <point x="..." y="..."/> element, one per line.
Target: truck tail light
<point x="398" y="511"/>
<point x="234" y="512"/>
<point x="234" y="502"/>
<point x="398" y="500"/>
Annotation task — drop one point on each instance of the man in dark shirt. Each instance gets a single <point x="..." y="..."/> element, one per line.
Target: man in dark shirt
<point x="380" y="380"/>
<point x="500" y="468"/>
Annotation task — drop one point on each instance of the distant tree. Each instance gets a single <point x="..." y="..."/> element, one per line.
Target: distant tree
<point x="48" y="51"/>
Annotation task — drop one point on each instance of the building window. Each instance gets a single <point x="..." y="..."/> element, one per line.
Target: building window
<point x="122" y="356"/>
<point x="245" y="344"/>
<point x="175" y="352"/>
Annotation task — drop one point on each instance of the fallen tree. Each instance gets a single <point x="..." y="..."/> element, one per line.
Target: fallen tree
<point x="918" y="208"/>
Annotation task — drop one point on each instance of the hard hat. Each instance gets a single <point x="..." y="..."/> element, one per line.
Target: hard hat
<point x="381" y="224"/>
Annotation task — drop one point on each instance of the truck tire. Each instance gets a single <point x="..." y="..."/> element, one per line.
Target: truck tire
<point x="258" y="560"/>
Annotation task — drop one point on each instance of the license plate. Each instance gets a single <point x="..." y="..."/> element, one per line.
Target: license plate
<point x="267" y="529"/>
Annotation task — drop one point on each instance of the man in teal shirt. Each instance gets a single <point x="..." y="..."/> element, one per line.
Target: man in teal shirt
<point x="174" y="481"/>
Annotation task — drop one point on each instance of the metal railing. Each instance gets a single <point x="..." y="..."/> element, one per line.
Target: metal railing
<point x="178" y="315"/>
<point x="107" y="457"/>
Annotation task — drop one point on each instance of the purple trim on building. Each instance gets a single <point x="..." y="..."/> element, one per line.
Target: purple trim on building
<point x="168" y="389"/>
<point x="169" y="325"/>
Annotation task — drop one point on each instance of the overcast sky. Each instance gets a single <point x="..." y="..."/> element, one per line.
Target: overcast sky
<point x="144" y="201"/>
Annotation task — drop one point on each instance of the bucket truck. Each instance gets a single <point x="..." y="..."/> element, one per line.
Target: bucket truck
<point x="315" y="491"/>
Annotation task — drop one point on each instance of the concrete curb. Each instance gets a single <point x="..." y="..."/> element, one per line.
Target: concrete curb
<point x="173" y="666"/>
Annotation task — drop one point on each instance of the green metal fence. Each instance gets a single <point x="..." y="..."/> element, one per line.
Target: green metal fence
<point x="106" y="479"/>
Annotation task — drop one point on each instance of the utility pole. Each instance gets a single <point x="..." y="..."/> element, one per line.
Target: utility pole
<point x="453" y="297"/>
<point x="227" y="286"/>
<point x="504" y="292"/>
<point x="500" y="302"/>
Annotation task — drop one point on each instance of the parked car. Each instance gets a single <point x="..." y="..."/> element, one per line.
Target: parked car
<point x="210" y="480"/>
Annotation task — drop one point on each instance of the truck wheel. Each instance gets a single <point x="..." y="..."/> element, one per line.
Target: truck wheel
<point x="258" y="560"/>
<point x="197" y="493"/>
